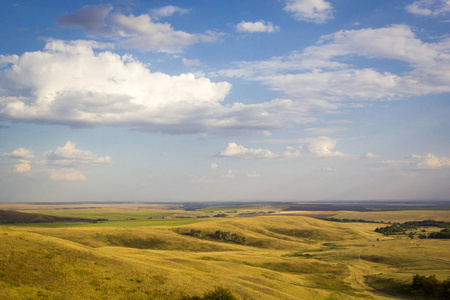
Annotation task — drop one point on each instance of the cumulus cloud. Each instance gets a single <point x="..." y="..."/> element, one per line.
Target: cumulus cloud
<point x="430" y="161"/>
<point x="20" y="153"/>
<point x="167" y="11"/>
<point x="316" y="11"/>
<point x="60" y="164"/>
<point x="431" y="8"/>
<point x="141" y="33"/>
<point x="136" y="32"/>
<point x="69" y="155"/>
<point x="259" y="26"/>
<point x="69" y="82"/>
<point x="321" y="76"/>
<point x="79" y="83"/>
<point x="68" y="174"/>
<point x="22" y="167"/>
<point x="323" y="146"/>
<point x="239" y="151"/>
<point x="416" y="164"/>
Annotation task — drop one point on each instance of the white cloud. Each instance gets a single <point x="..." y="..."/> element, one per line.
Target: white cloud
<point x="259" y="26"/>
<point x="317" y="11"/>
<point x="228" y="174"/>
<point x="429" y="7"/>
<point x="371" y="155"/>
<point x="323" y="146"/>
<point x="319" y="147"/>
<point x="76" y="84"/>
<point x="416" y="164"/>
<point x="23" y="166"/>
<point x="239" y="151"/>
<point x="69" y="155"/>
<point x="321" y="77"/>
<point x="430" y="161"/>
<point x="191" y="62"/>
<point x="291" y="152"/>
<point x="59" y="164"/>
<point x="136" y="32"/>
<point x="141" y="33"/>
<point x="253" y="175"/>
<point x="214" y="166"/>
<point x="69" y="83"/>
<point x="20" y="153"/>
<point x="167" y="11"/>
<point x="68" y="174"/>
<point x="330" y="170"/>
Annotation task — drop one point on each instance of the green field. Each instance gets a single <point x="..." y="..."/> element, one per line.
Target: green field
<point x="257" y="252"/>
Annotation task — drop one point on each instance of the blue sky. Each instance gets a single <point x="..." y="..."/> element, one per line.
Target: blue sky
<point x="283" y="100"/>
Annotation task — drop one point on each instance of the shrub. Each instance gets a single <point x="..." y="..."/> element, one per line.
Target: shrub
<point x="219" y="293"/>
<point x="431" y="287"/>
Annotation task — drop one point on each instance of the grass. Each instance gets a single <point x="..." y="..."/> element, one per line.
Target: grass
<point x="111" y="216"/>
<point x="398" y="216"/>
<point x="283" y="256"/>
<point x="123" y="223"/>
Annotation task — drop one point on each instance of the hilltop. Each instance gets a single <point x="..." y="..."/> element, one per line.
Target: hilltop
<point x="12" y="217"/>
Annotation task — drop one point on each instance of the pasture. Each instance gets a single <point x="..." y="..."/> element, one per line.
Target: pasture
<point x="258" y="251"/>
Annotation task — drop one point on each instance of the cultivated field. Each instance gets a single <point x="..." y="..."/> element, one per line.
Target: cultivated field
<point x="257" y="251"/>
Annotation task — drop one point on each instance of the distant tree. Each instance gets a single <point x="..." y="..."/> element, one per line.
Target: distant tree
<point x="443" y="234"/>
<point x="417" y="283"/>
<point x="445" y="288"/>
<point x="219" y="293"/>
<point x="431" y="287"/>
<point x="220" y="216"/>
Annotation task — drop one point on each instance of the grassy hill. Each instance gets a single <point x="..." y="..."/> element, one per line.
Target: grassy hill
<point x="10" y="217"/>
<point x="263" y="257"/>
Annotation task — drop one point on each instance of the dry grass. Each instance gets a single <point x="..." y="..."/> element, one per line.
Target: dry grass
<point x="397" y="216"/>
<point x="283" y="257"/>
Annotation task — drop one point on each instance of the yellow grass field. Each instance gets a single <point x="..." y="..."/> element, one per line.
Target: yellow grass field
<point x="272" y="256"/>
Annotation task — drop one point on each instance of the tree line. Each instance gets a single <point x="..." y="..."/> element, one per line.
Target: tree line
<point x="431" y="287"/>
<point x="219" y="235"/>
<point x="400" y="228"/>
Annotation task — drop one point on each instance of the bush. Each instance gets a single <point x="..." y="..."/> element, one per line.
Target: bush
<point x="219" y="293"/>
<point x="431" y="287"/>
<point x="443" y="234"/>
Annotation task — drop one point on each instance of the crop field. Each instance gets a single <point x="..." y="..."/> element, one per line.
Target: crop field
<point x="257" y="251"/>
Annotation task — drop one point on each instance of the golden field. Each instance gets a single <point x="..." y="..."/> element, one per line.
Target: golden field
<point x="165" y="252"/>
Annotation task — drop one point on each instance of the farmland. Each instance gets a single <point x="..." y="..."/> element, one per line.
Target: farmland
<point x="256" y="250"/>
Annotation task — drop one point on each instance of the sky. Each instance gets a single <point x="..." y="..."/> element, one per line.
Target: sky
<point x="238" y="100"/>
